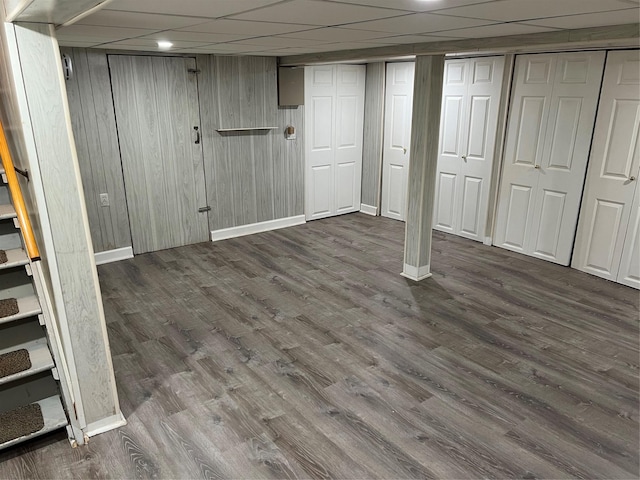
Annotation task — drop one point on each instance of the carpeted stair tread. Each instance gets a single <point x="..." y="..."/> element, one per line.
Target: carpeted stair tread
<point x="3" y="257"/>
<point x="21" y="422"/>
<point x="14" y="362"/>
<point x="8" y="307"/>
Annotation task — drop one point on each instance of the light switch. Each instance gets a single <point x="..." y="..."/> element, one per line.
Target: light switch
<point x="104" y="199"/>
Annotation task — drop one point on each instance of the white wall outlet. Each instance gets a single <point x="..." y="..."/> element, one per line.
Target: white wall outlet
<point x="104" y="199"/>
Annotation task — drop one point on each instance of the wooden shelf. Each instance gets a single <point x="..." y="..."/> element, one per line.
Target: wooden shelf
<point x="7" y="212"/>
<point x="39" y="354"/>
<point x="27" y="307"/>
<point x="54" y="418"/>
<point x="247" y="129"/>
<point x="16" y="258"/>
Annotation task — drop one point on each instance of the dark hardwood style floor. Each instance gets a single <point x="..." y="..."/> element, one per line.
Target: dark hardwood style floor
<point x="302" y="353"/>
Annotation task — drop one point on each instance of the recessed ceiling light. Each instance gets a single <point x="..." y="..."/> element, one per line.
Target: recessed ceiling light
<point x="164" y="45"/>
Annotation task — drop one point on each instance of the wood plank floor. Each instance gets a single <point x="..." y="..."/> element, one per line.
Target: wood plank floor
<point x="303" y="353"/>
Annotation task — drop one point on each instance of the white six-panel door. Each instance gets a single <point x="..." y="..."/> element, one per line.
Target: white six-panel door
<point x="607" y="241"/>
<point x="397" y="139"/>
<point x="470" y="105"/>
<point x="548" y="138"/>
<point x="334" y="123"/>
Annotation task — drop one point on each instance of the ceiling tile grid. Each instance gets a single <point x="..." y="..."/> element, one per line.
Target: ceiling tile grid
<point x="293" y="27"/>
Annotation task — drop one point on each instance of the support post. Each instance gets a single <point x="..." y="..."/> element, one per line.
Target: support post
<point x="425" y="133"/>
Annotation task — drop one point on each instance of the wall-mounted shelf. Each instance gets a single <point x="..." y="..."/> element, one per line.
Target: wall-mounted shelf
<point x="245" y="129"/>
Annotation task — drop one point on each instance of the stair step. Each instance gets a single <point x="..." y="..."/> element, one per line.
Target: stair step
<point x="7" y="212"/>
<point x="27" y="307"/>
<point x="54" y="418"/>
<point x="16" y="258"/>
<point x="39" y="355"/>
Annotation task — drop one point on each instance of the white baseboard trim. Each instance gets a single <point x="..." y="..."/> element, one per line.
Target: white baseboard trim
<point x="369" y="210"/>
<point x="488" y="241"/>
<point x="113" y="255"/>
<point x="105" y="425"/>
<point x="416" y="273"/>
<point x="233" y="232"/>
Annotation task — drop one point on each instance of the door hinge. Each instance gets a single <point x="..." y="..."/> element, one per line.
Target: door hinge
<point x="193" y="70"/>
<point x="204" y="209"/>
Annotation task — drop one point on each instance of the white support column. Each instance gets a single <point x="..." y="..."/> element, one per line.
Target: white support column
<point x="427" y="100"/>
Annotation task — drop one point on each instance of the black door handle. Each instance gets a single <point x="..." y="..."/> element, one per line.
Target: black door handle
<point x="197" y="135"/>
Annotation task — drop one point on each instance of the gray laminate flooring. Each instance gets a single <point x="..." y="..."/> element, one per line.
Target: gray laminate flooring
<point x="303" y="353"/>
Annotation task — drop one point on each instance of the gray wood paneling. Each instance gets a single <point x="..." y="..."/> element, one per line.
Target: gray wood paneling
<point x="78" y="297"/>
<point x="373" y="134"/>
<point x="251" y="176"/>
<point x="156" y="102"/>
<point x="427" y="101"/>
<point x="94" y="130"/>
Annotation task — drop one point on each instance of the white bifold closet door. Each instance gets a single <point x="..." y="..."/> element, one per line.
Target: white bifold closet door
<point x="470" y="105"/>
<point x="549" y="133"/>
<point x="334" y="128"/>
<point x="397" y="139"/>
<point x="608" y="238"/>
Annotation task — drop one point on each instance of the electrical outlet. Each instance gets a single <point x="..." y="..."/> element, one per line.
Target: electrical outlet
<point x="104" y="199"/>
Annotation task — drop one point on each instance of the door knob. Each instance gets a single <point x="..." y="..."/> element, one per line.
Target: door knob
<point x="631" y="179"/>
<point x="404" y="150"/>
<point x="464" y="157"/>
<point x="537" y="167"/>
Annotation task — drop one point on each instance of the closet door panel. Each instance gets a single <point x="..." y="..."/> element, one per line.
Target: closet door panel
<point x="350" y="86"/>
<point x="334" y="123"/>
<point x="320" y="141"/>
<point x="548" y="139"/>
<point x="568" y="138"/>
<point x="607" y="231"/>
<point x="483" y="94"/>
<point x="530" y="105"/>
<point x="397" y="139"/>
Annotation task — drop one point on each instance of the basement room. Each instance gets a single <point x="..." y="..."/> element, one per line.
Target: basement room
<point x="350" y="239"/>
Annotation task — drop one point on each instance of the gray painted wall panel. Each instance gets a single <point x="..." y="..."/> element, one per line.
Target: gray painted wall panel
<point x="58" y="171"/>
<point x="373" y="133"/>
<point x="251" y="176"/>
<point x="94" y="129"/>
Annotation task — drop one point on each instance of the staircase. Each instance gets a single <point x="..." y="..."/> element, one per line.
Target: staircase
<point x="32" y="395"/>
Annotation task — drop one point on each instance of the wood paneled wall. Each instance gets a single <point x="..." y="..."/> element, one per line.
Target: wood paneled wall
<point x="373" y="134"/>
<point x="251" y="176"/>
<point x="94" y="129"/>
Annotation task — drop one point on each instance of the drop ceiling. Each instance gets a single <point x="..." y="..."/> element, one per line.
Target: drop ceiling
<point x="293" y="27"/>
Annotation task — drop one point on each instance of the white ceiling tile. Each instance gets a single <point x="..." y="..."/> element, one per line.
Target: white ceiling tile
<point x="110" y="33"/>
<point x="132" y="48"/>
<point x="151" y="44"/>
<point x="498" y="30"/>
<point x="517" y="10"/>
<point x="315" y="12"/>
<point x="80" y="42"/>
<point x="179" y="36"/>
<point x="618" y="17"/>
<point x="239" y="27"/>
<point x="335" y="34"/>
<point x="195" y="8"/>
<point x="418" y="23"/>
<point x="404" y="39"/>
<point x="281" y="42"/>
<point x="139" y="20"/>
<point x="226" y="48"/>
<point x="414" y="5"/>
